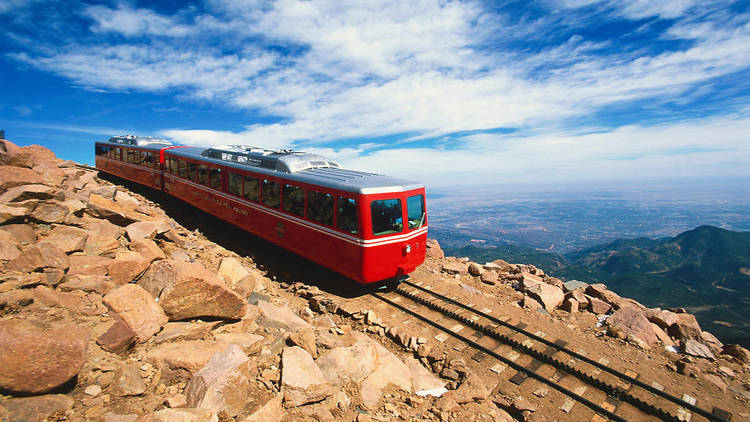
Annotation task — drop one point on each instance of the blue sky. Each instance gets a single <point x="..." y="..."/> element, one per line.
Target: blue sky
<point x="448" y="93"/>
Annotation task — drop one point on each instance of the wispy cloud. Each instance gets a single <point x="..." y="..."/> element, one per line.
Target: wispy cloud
<point x="134" y="22"/>
<point x="329" y="70"/>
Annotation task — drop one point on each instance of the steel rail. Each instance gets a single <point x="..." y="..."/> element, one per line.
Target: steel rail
<point x="588" y="403"/>
<point x="617" y="392"/>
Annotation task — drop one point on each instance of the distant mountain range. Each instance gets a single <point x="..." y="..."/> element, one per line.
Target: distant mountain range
<point x="706" y="270"/>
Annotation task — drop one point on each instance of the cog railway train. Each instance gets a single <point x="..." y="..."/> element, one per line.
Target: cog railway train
<point x="365" y="226"/>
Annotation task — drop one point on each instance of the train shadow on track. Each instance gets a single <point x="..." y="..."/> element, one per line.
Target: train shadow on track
<point x="280" y="264"/>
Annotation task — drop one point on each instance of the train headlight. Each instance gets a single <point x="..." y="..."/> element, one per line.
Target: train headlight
<point x="407" y="249"/>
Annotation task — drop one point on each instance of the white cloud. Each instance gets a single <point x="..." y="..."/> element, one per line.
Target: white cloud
<point x="23" y="110"/>
<point x="343" y="69"/>
<point x="134" y="22"/>
<point x="8" y="6"/>
<point x="710" y="147"/>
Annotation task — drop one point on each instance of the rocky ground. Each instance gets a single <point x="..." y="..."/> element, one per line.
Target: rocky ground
<point x="111" y="310"/>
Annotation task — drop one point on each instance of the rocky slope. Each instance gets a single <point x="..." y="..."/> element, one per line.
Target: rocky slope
<point x="110" y="310"/>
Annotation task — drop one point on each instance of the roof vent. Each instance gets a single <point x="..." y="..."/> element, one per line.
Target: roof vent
<point x="283" y="160"/>
<point x="138" y="140"/>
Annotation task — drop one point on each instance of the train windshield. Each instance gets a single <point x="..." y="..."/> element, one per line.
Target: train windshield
<point x="415" y="210"/>
<point x="386" y="217"/>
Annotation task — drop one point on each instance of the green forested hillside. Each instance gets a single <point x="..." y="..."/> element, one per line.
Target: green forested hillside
<point x="706" y="270"/>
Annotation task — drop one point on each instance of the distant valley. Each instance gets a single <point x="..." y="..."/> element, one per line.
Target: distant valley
<point x="706" y="270"/>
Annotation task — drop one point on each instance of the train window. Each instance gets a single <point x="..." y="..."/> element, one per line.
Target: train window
<point x="215" y="178"/>
<point x="346" y="215"/>
<point x="150" y="159"/>
<point x="203" y="174"/>
<point x="182" y="166"/>
<point x="118" y="154"/>
<point x="415" y="211"/>
<point x="140" y="158"/>
<point x="320" y="207"/>
<point x="270" y="193"/>
<point x="192" y="171"/>
<point x="386" y="217"/>
<point x="235" y="184"/>
<point x="251" y="189"/>
<point x="294" y="200"/>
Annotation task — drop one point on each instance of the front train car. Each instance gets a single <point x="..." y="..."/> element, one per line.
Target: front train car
<point x="393" y="218"/>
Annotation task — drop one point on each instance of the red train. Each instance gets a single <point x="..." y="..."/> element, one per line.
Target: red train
<point x="366" y="226"/>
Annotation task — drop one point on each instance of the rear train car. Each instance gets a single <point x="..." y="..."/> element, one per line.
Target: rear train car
<point x="366" y="226"/>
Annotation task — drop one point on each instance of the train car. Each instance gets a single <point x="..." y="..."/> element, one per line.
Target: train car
<point x="139" y="159"/>
<point x="368" y="227"/>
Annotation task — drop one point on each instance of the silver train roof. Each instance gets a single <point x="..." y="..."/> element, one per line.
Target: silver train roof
<point x="299" y="166"/>
<point x="139" y="140"/>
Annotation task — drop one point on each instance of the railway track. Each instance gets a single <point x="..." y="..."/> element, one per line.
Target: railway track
<point x="616" y="385"/>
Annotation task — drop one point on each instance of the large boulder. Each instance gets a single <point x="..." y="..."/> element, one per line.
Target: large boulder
<point x="738" y="352"/>
<point x="198" y="297"/>
<point x="597" y="306"/>
<point x="433" y="249"/>
<point x="27" y="192"/>
<point x="600" y="291"/>
<point x="11" y="176"/>
<point x="694" y="348"/>
<point x="107" y="209"/>
<point x="280" y="317"/>
<point x="422" y="380"/>
<point x="103" y="237"/>
<point x="68" y="239"/>
<point x="125" y="270"/>
<point x="452" y="267"/>
<point x="184" y="355"/>
<point x="89" y="265"/>
<point x="138" y="309"/>
<point x="167" y="272"/>
<point x="50" y="213"/>
<point x="342" y="365"/>
<point x="141" y="230"/>
<point x="272" y="410"/>
<point x="222" y="385"/>
<point x="22" y="233"/>
<point x="9" y="247"/>
<point x="118" y="338"/>
<point x="549" y="296"/>
<point x="148" y="249"/>
<point x="127" y="381"/>
<point x="389" y="370"/>
<point x="231" y="271"/>
<point x="39" y="256"/>
<point x="660" y="317"/>
<point x="87" y="283"/>
<point x="685" y="328"/>
<point x="34" y="360"/>
<point x="302" y="380"/>
<point x="12" y="213"/>
<point x="7" y="152"/>
<point x="34" y="408"/>
<point x="631" y="321"/>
